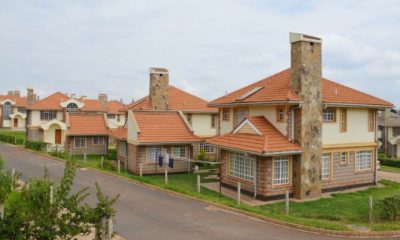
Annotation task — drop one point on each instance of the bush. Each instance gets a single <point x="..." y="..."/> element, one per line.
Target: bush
<point x="37" y="146"/>
<point x="9" y="138"/>
<point x="112" y="154"/>
<point x="387" y="209"/>
<point x="59" y="154"/>
<point x="107" y="165"/>
<point x="1" y="163"/>
<point x="390" y="162"/>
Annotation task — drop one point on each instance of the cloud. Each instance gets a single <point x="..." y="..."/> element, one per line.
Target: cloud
<point x="210" y="47"/>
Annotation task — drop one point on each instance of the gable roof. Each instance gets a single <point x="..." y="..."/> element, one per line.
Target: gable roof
<point x="178" y="100"/>
<point x="267" y="140"/>
<point x="163" y="127"/>
<point x="119" y="133"/>
<point x="19" y="101"/>
<point x="51" y="102"/>
<point x="115" y="107"/>
<point x="276" y="88"/>
<point x="87" y="125"/>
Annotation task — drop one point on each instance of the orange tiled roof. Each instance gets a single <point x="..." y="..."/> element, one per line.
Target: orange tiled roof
<point x="270" y="141"/>
<point x="51" y="102"/>
<point x="119" y="133"/>
<point x="163" y="127"/>
<point x="93" y="105"/>
<point x="19" y="101"/>
<point x="276" y="88"/>
<point x="178" y="100"/>
<point x="87" y="125"/>
<point x="115" y="107"/>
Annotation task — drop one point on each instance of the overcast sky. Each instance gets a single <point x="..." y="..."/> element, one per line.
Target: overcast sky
<point x="209" y="46"/>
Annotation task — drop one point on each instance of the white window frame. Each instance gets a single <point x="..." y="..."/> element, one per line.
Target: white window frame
<point x="7" y="110"/>
<point x="152" y="153"/>
<point x="362" y="163"/>
<point x="326" y="166"/>
<point x="111" y="116"/>
<point x="76" y="143"/>
<point x="241" y="166"/>
<point x="98" y="138"/>
<point x="344" y="158"/>
<point x="48" y="115"/>
<point x="281" y="171"/>
<point x="207" y="148"/>
<point x="329" y="115"/>
<point x="72" y="107"/>
<point x="179" y="151"/>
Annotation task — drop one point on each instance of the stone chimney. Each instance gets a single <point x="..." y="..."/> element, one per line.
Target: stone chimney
<point x="10" y="93"/>
<point x="159" y="84"/>
<point x="17" y="93"/>
<point x="31" y="96"/>
<point x="103" y="98"/>
<point x="306" y="81"/>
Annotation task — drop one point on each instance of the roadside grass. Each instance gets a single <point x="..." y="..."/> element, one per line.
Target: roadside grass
<point x="390" y="169"/>
<point x="13" y="137"/>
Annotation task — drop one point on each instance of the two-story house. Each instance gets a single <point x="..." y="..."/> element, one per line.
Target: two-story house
<point x="298" y="131"/>
<point x="167" y="120"/>
<point x="389" y="132"/>
<point x="13" y="109"/>
<point x="74" y="124"/>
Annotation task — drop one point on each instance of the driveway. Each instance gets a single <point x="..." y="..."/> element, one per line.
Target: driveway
<point x="393" y="176"/>
<point x="144" y="213"/>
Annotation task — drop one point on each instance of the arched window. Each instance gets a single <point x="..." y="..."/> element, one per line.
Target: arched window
<point x="7" y="110"/>
<point x="72" y="107"/>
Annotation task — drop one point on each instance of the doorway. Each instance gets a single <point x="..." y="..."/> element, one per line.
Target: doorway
<point x="15" y="122"/>
<point x="57" y="136"/>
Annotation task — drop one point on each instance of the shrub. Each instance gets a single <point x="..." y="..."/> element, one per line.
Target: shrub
<point x="390" y="162"/>
<point x="1" y="163"/>
<point x="9" y="138"/>
<point x="107" y="165"/>
<point x="59" y="154"/>
<point x="34" y="145"/>
<point x="387" y="208"/>
<point x="112" y="154"/>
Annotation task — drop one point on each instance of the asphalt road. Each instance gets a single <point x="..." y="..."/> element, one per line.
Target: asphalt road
<point x="144" y="213"/>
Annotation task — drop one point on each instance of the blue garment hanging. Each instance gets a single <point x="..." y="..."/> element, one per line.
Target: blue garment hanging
<point x="171" y="163"/>
<point x="160" y="160"/>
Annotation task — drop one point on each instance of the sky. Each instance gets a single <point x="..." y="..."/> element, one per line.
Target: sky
<point x="210" y="47"/>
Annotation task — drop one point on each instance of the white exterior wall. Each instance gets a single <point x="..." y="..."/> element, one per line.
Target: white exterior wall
<point x="357" y="128"/>
<point x="49" y="135"/>
<point x="201" y="125"/>
<point x="226" y="126"/>
<point x="36" y="118"/>
<point x="270" y="113"/>
<point x="113" y="123"/>
<point x="132" y="130"/>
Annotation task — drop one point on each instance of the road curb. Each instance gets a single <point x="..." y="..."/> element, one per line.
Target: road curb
<point x="303" y="228"/>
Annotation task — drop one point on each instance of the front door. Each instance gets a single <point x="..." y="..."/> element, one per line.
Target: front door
<point x="58" y="136"/>
<point x="15" y="122"/>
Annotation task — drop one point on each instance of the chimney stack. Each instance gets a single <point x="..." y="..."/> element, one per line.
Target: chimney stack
<point x="17" y="93"/>
<point x="10" y="93"/>
<point x="103" y="98"/>
<point x="31" y="96"/>
<point x="159" y="84"/>
<point x="306" y="82"/>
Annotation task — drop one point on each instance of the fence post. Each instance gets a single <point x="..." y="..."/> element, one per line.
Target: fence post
<point x="110" y="229"/>
<point x="1" y="211"/>
<point x="166" y="175"/>
<point x="15" y="140"/>
<point x="198" y="183"/>
<point x="287" y="202"/>
<point x="51" y="194"/>
<point x="141" y="169"/>
<point x="189" y="166"/>
<point x="84" y="158"/>
<point x="12" y="178"/>
<point x="371" y="209"/>
<point x="102" y="161"/>
<point x="119" y="166"/>
<point x="238" y="193"/>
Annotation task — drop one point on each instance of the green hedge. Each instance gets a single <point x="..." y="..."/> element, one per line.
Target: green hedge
<point x="37" y="146"/>
<point x="387" y="209"/>
<point x="390" y="162"/>
<point x="11" y="139"/>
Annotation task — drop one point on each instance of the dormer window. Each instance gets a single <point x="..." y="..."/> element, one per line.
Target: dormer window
<point x="72" y="107"/>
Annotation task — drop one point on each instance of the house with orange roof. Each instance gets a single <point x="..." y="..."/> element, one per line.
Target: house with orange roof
<point x="56" y="120"/>
<point x="297" y="131"/>
<point x="13" y="109"/>
<point x="168" y="121"/>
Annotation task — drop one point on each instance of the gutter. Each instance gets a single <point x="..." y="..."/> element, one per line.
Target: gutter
<point x="232" y="104"/>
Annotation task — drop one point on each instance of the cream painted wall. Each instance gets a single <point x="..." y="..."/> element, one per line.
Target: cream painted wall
<point x="36" y="118"/>
<point x="201" y="125"/>
<point x="269" y="112"/>
<point x="113" y="123"/>
<point x="226" y="126"/>
<point x="49" y="135"/>
<point x="6" y="123"/>
<point x="357" y="129"/>
<point x="132" y="131"/>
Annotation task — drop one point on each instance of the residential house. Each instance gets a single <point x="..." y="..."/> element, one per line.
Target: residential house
<point x="180" y="123"/>
<point x="54" y="120"/>
<point x="297" y="131"/>
<point x="13" y="109"/>
<point x="389" y="132"/>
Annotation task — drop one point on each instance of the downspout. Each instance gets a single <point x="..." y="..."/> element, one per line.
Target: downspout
<point x="292" y="124"/>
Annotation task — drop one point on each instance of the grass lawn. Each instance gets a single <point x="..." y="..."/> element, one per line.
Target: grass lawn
<point x="389" y="168"/>
<point x="18" y="134"/>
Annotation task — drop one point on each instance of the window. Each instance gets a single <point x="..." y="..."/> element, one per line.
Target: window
<point x="214" y="119"/>
<point x="111" y="116"/>
<point x="280" y="114"/>
<point x="22" y="110"/>
<point x="343" y="158"/>
<point x="189" y="118"/>
<point x="326" y="166"/>
<point x="226" y="114"/>
<point x="122" y="149"/>
<point x="80" y="142"/>
<point x="48" y="115"/>
<point x="7" y="110"/>
<point x="118" y="117"/>
<point x="240" y="115"/>
<point x="343" y="120"/>
<point x="154" y="151"/>
<point x="241" y="166"/>
<point x="281" y="170"/>
<point x="328" y="115"/>
<point x="72" y="107"/>
<point x="179" y="151"/>
<point x="207" y="148"/>
<point x="98" y="140"/>
<point x="371" y="121"/>
<point x="363" y="160"/>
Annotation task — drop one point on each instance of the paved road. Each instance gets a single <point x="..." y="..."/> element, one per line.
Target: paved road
<point x="144" y="213"/>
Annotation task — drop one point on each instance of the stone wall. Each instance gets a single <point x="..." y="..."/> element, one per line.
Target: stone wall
<point x="159" y="84"/>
